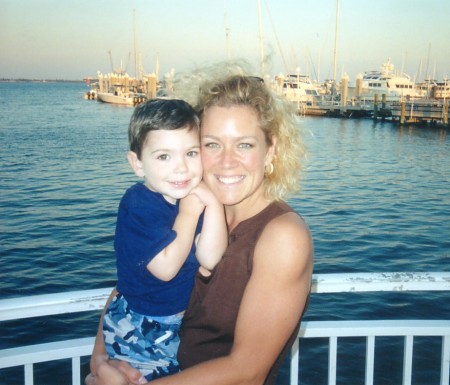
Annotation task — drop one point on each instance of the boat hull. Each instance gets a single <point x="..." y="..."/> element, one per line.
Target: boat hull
<point x="107" y="97"/>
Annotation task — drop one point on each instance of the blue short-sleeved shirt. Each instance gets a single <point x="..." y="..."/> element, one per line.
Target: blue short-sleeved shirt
<point x="144" y="228"/>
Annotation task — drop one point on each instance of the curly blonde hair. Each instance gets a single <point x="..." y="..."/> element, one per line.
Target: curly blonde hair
<point x="277" y="117"/>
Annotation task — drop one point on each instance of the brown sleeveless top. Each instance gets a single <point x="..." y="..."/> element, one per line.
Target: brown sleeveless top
<point x="208" y="325"/>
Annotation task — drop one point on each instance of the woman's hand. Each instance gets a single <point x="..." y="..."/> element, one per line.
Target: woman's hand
<point x="114" y="372"/>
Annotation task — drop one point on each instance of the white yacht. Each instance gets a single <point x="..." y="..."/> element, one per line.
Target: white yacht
<point x="299" y="88"/>
<point x="386" y="82"/>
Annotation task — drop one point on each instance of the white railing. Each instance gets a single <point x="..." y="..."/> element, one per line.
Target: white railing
<point x="87" y="300"/>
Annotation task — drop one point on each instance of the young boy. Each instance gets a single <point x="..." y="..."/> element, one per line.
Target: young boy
<point x="158" y="243"/>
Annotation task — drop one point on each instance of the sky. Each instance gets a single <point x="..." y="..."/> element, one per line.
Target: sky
<point x="74" y="39"/>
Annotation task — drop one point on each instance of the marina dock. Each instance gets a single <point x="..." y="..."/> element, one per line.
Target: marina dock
<point x="430" y="111"/>
<point x="381" y="95"/>
<point x="347" y="102"/>
<point x="420" y="111"/>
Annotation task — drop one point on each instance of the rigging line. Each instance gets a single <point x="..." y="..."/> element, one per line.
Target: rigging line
<point x="313" y="66"/>
<point x="276" y="38"/>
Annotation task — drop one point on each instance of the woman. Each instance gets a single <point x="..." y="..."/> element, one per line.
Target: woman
<point x="243" y="318"/>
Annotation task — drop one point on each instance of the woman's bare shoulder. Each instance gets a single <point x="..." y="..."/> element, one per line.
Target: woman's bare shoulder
<point x="288" y="238"/>
<point x="289" y="226"/>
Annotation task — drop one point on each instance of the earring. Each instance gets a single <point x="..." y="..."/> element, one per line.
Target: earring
<point x="268" y="169"/>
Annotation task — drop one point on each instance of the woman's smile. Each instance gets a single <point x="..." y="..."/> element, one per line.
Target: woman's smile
<point x="229" y="180"/>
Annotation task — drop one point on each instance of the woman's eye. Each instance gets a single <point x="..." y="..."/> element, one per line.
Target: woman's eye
<point x="211" y="145"/>
<point x="245" y="145"/>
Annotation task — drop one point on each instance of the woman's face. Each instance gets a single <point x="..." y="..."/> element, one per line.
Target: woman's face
<point x="234" y="153"/>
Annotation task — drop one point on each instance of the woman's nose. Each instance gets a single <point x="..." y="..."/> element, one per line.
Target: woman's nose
<point x="228" y="158"/>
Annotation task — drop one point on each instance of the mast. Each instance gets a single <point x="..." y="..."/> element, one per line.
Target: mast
<point x="227" y="37"/>
<point x="318" y="67"/>
<point x="157" y="67"/>
<point x="261" y="39"/>
<point x="134" y="43"/>
<point x="336" y="40"/>
<point x="427" y="74"/>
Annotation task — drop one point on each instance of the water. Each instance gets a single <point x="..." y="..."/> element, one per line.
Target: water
<point x="376" y="197"/>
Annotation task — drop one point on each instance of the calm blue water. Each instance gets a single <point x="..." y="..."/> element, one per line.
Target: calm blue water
<point x="376" y="197"/>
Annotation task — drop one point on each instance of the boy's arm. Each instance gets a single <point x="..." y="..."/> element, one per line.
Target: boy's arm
<point x="166" y="264"/>
<point x="213" y="240"/>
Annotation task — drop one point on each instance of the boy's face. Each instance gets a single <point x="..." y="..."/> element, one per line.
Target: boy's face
<point x="170" y="162"/>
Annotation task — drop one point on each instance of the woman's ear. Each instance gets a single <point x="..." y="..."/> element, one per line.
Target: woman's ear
<point x="135" y="164"/>
<point x="270" y="155"/>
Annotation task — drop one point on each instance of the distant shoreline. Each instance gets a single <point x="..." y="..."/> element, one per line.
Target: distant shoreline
<point x="40" y="81"/>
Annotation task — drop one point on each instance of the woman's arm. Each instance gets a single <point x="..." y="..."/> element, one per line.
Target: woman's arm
<point x="272" y="304"/>
<point x="99" y="352"/>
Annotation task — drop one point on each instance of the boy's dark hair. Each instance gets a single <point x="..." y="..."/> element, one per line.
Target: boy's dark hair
<point x="159" y="114"/>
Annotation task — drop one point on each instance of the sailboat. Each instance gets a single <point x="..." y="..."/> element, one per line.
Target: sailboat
<point x="121" y="88"/>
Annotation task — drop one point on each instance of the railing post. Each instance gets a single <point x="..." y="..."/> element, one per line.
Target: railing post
<point x="29" y="374"/>
<point x="407" y="360"/>
<point x="370" y="360"/>
<point x="445" y="360"/>
<point x="76" y="371"/>
<point x="294" y="363"/>
<point x="332" y="361"/>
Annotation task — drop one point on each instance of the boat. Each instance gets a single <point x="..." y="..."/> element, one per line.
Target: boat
<point x="299" y="88"/>
<point x="118" y="94"/>
<point x="340" y="333"/>
<point x="119" y="88"/>
<point x="441" y="90"/>
<point x="435" y="89"/>
<point x="385" y="81"/>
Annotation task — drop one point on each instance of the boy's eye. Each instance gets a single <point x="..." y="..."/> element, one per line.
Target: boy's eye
<point x="163" y="157"/>
<point x="192" y="154"/>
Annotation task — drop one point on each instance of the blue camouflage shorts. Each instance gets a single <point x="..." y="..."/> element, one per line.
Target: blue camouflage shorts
<point x="148" y="343"/>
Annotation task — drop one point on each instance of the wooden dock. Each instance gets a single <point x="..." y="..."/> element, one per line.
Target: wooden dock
<point x="429" y="111"/>
<point x="420" y="111"/>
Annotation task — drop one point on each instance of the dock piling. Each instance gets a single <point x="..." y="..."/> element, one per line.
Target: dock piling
<point x="445" y="113"/>
<point x="375" y="107"/>
<point x="402" y="112"/>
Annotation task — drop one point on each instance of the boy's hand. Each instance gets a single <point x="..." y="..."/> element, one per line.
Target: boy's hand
<point x="204" y="194"/>
<point x="191" y="205"/>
